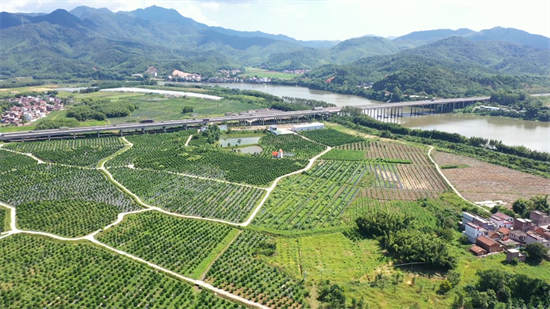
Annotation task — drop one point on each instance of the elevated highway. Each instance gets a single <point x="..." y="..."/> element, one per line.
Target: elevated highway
<point x="388" y="110"/>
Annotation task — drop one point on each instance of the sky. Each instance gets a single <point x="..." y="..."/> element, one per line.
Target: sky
<point x="332" y="19"/>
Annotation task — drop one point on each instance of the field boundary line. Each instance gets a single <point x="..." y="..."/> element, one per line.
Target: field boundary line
<point x="276" y="181"/>
<point x="199" y="283"/>
<point x="220" y="253"/>
<point x="28" y="154"/>
<point x="449" y="182"/>
<point x="188" y="140"/>
<point x="197" y="177"/>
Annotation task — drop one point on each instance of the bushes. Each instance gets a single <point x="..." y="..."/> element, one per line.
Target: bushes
<point x="496" y="286"/>
<point x="523" y="207"/>
<point x="536" y="252"/>
<point x="100" y="109"/>
<point x="46" y="124"/>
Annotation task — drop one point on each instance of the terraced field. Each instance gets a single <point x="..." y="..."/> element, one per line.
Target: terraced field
<point x="174" y="243"/>
<point x="80" y="152"/>
<point x="38" y="272"/>
<point x="189" y="195"/>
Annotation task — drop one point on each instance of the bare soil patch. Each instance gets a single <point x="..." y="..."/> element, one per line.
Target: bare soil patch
<point x="480" y="181"/>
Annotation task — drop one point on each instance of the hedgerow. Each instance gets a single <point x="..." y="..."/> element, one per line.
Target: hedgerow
<point x="175" y="243"/>
<point x="190" y="196"/>
<point x="331" y="137"/>
<point x="240" y="270"/>
<point x="70" y="218"/>
<point x="38" y="273"/>
<point x="3" y="214"/>
<point x="80" y="152"/>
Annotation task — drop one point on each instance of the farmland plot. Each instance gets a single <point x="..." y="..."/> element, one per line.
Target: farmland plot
<point x="190" y="196"/>
<point x="80" y="152"/>
<point x="11" y="161"/>
<point x="174" y="243"/>
<point x="52" y="182"/>
<point x="331" y="137"/>
<point x="38" y="273"/>
<point x="241" y="271"/>
<point x="63" y="200"/>
<point x="291" y="144"/>
<point x="69" y="218"/>
<point x="202" y="159"/>
<point x="480" y="181"/>
<point x="3" y="218"/>
<point x="314" y="199"/>
<point x="389" y="150"/>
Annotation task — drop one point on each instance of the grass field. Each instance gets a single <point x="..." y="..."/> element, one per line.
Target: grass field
<point x="38" y="273"/>
<point x="257" y="72"/>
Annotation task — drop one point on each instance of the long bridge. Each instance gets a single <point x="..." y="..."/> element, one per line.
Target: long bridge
<point x="389" y="111"/>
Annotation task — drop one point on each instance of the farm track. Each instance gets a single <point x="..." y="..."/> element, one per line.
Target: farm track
<point x="449" y="182"/>
<point x="91" y="237"/>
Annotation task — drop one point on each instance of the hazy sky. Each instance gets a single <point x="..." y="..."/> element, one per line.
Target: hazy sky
<point x="332" y="19"/>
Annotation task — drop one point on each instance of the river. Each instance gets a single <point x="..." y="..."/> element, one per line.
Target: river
<point x="514" y="132"/>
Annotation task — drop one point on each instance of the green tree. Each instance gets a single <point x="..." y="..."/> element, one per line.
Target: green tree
<point x="536" y="252"/>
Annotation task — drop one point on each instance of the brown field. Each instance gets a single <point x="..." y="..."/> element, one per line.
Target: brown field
<point x="481" y="181"/>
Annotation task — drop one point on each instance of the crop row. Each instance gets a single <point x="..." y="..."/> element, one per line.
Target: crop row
<point x="316" y="199"/>
<point x="292" y="145"/>
<point x="241" y="270"/>
<point x="40" y="273"/>
<point x="190" y="196"/>
<point x="331" y="137"/>
<point x="80" y="152"/>
<point x="52" y="182"/>
<point x="389" y="150"/>
<point x="203" y="159"/>
<point x="174" y="243"/>
<point x="11" y="161"/>
<point x="3" y="218"/>
<point x="69" y="218"/>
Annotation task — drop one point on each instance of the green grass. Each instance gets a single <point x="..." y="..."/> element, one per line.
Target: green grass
<point x="214" y="254"/>
<point x="331" y="137"/>
<point x="178" y="244"/>
<point x="69" y="218"/>
<point x="293" y="146"/>
<point x="81" y="152"/>
<point x="251" y="72"/>
<point x="38" y="272"/>
<point x="451" y="166"/>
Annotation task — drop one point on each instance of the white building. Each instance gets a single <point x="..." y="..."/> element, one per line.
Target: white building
<point x="473" y="231"/>
<point x="308" y="127"/>
<point x="278" y="131"/>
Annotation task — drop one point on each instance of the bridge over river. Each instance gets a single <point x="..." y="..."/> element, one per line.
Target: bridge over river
<point x="390" y="111"/>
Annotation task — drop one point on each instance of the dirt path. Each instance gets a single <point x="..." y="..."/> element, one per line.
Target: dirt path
<point x="449" y="182"/>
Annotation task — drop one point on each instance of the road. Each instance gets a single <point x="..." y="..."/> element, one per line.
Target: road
<point x="258" y="116"/>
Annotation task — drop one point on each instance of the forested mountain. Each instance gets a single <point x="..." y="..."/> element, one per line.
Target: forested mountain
<point x="450" y="67"/>
<point x="98" y="43"/>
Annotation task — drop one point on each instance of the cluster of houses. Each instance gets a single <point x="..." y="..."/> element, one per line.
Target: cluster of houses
<point x="30" y="108"/>
<point x="184" y="76"/>
<point x="501" y="232"/>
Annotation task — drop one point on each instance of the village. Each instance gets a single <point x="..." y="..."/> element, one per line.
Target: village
<point x="502" y="233"/>
<point x="26" y="109"/>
